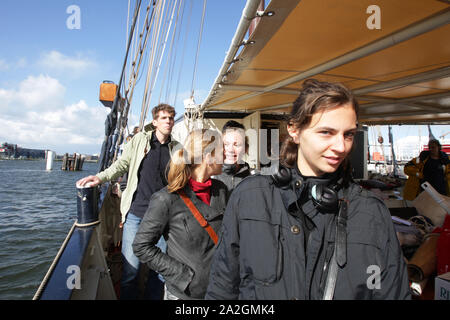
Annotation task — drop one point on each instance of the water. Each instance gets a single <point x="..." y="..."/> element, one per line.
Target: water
<point x="37" y="209"/>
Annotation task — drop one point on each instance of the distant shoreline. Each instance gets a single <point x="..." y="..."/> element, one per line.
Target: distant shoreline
<point x="41" y="159"/>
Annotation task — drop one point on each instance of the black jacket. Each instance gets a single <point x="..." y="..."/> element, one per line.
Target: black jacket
<point x="232" y="178"/>
<point x="190" y="249"/>
<point x="261" y="250"/>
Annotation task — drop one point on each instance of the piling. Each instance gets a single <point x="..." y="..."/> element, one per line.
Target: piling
<point x="73" y="163"/>
<point x="50" y="158"/>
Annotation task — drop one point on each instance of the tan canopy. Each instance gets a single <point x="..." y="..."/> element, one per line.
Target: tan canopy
<point x="395" y="57"/>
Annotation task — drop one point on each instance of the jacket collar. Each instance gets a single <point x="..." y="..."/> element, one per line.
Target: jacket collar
<point x="149" y="134"/>
<point x="231" y="169"/>
<point x="217" y="204"/>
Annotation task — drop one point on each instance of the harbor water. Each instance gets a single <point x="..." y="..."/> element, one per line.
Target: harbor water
<point x="37" y="209"/>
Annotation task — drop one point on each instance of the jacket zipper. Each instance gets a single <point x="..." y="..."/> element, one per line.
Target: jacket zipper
<point x="187" y="229"/>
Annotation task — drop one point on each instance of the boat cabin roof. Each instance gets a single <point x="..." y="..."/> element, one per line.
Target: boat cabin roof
<point x="394" y="56"/>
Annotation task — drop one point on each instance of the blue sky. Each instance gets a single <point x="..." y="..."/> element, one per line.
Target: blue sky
<point x="50" y="74"/>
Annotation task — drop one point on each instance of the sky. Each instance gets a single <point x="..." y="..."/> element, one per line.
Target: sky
<point x="50" y="74"/>
<point x="51" y="69"/>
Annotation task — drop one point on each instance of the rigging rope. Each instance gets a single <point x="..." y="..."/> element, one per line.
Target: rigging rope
<point x="123" y="122"/>
<point x="158" y="57"/>
<point x="168" y="65"/>
<point x="155" y="38"/>
<point x="184" y="50"/>
<point x="198" y="47"/>
<point x="112" y="125"/>
<point x="172" y="66"/>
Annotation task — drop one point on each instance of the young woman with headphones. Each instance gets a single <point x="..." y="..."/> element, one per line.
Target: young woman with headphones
<point x="309" y="232"/>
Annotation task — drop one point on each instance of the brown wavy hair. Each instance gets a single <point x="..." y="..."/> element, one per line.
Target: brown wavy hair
<point x="315" y="96"/>
<point x="198" y="144"/>
<point x="163" y="107"/>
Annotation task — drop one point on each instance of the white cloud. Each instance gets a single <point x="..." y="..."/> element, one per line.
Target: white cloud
<point x="41" y="92"/>
<point x="8" y="66"/>
<point x="35" y="116"/>
<point x="22" y="63"/>
<point x="3" y="65"/>
<point x="74" y="66"/>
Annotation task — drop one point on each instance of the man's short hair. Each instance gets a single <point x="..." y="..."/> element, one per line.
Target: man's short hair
<point x="162" y="107"/>
<point x="231" y="124"/>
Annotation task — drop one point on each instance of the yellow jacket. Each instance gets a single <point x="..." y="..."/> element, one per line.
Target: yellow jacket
<point x="414" y="170"/>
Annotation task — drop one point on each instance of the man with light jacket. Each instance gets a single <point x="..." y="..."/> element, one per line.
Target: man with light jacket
<point x="144" y="158"/>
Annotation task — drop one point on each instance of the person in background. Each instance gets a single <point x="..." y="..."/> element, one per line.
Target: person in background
<point x="235" y="145"/>
<point x="136" y="130"/>
<point x="309" y="231"/>
<point x="145" y="158"/>
<point x="190" y="239"/>
<point x="433" y="166"/>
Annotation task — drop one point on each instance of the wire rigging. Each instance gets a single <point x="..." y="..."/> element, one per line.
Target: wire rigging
<point x="198" y="47"/>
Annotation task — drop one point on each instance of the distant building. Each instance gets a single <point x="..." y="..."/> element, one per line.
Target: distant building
<point x="8" y="150"/>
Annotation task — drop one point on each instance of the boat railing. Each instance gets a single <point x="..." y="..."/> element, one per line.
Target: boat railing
<point x="80" y="270"/>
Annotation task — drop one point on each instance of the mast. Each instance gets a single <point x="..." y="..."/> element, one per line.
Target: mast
<point x="391" y="141"/>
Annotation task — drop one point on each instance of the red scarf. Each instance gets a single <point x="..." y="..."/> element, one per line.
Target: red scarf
<point x="202" y="190"/>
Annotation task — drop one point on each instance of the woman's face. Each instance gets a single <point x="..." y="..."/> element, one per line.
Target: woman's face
<point x="326" y="142"/>
<point x="233" y="146"/>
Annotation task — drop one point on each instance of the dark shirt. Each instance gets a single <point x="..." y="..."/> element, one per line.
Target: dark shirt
<point x="433" y="172"/>
<point x="152" y="175"/>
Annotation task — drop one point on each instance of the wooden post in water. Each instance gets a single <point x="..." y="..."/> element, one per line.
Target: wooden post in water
<point x="74" y="163"/>
<point x="64" y="161"/>
<point x="76" y="160"/>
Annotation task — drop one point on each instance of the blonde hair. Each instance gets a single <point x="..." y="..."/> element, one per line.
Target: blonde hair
<point x="198" y="144"/>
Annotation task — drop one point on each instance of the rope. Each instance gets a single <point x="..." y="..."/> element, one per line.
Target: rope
<point x="198" y="47"/>
<point x="184" y="50"/>
<point x="134" y="73"/>
<point x="53" y="265"/>
<point x="83" y="225"/>
<point x="159" y="57"/>
<point x="38" y="293"/>
<point x="176" y="30"/>
<point x="168" y="67"/>
<point x="155" y="37"/>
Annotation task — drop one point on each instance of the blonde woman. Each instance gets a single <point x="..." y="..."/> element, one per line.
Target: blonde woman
<point x="188" y="213"/>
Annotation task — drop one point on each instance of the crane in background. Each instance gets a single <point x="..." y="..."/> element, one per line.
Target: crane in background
<point x="442" y="136"/>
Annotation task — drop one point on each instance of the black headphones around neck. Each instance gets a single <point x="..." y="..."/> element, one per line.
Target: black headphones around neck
<point x="325" y="197"/>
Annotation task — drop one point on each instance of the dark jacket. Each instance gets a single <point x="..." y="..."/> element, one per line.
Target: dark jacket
<point x="190" y="249"/>
<point x="231" y="177"/>
<point x="261" y="250"/>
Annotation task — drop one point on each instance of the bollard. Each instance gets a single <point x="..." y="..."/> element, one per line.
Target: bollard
<point x="50" y="158"/>
<point x="87" y="206"/>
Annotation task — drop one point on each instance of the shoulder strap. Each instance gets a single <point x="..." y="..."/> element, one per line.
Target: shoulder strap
<point x="339" y="258"/>
<point x="197" y="215"/>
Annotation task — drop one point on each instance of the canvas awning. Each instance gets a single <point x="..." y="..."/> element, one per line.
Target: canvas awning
<point x="400" y="72"/>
